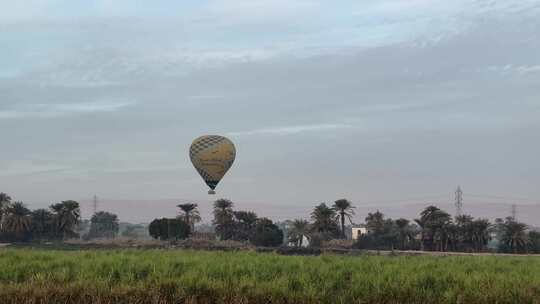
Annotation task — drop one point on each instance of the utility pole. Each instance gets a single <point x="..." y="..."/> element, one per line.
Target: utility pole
<point x="459" y="201"/>
<point x="514" y="212"/>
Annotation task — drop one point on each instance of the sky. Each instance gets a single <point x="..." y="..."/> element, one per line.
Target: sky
<point x="386" y="102"/>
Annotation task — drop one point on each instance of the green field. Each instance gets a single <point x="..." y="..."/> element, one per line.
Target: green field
<point x="170" y="276"/>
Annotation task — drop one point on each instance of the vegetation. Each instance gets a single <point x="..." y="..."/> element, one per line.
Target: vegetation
<point x="5" y="201"/>
<point x="67" y="217"/>
<point x="190" y="214"/>
<point x="513" y="235"/>
<point x="17" y="220"/>
<point x="169" y="229"/>
<point x="324" y="221"/>
<point x="245" y="226"/>
<point x="156" y="276"/>
<point x="134" y="231"/>
<point x="344" y="209"/>
<point x="103" y="225"/>
<point x="534" y="242"/>
<point x="300" y="229"/>
<point x="266" y="234"/>
<point x="223" y="219"/>
<point x="18" y="223"/>
<point x="433" y="230"/>
<point x="436" y="230"/>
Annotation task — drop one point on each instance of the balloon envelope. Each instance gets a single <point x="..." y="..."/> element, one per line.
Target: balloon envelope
<point x="212" y="156"/>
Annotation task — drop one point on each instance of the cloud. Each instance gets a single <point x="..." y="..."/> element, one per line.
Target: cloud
<point x="291" y="130"/>
<point x="62" y="109"/>
<point x="27" y="168"/>
<point x="204" y="97"/>
<point x="512" y="69"/>
<point x="322" y="72"/>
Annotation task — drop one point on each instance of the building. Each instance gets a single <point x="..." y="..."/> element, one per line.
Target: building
<point x="356" y="232"/>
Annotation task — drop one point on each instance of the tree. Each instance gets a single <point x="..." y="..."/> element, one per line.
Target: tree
<point x="132" y="231"/>
<point x="67" y="215"/>
<point x="167" y="229"/>
<point x="300" y="229"/>
<point x="481" y="229"/>
<point x="382" y="233"/>
<point x="103" y="225"/>
<point x="266" y="234"/>
<point x="17" y="221"/>
<point x="406" y="233"/>
<point x="440" y="224"/>
<point x="514" y="237"/>
<point x="244" y="225"/>
<point x="421" y="222"/>
<point x="436" y="228"/>
<point x="42" y="224"/>
<point x="324" y="220"/>
<point x="223" y="219"/>
<point x="190" y="214"/>
<point x="534" y="241"/>
<point x="344" y="209"/>
<point x="375" y="222"/>
<point x="246" y="217"/>
<point x="5" y="200"/>
<point x="465" y="231"/>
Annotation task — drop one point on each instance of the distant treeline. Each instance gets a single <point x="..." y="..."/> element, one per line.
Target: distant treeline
<point x="433" y="230"/>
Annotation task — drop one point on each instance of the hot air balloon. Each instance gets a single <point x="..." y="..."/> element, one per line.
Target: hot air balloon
<point x="212" y="156"/>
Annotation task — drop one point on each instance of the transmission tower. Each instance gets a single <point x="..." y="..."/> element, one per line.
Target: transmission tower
<point x="514" y="212"/>
<point x="459" y="201"/>
<point x="95" y="204"/>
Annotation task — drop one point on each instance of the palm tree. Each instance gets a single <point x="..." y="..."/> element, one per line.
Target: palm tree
<point x="464" y="226"/>
<point x="223" y="218"/>
<point x="246" y="217"/>
<point x="429" y="211"/>
<point x="300" y="229"/>
<point x="223" y="205"/>
<point x="480" y="236"/>
<point x="375" y="222"/>
<point x="67" y="215"/>
<point x="324" y="219"/>
<point x="17" y="219"/>
<point x="514" y="235"/>
<point x="5" y="200"/>
<point x="243" y="227"/>
<point x="421" y="222"/>
<point x="191" y="214"/>
<point x="435" y="224"/>
<point x="440" y="224"/>
<point x="405" y="233"/>
<point x="344" y="210"/>
<point x="42" y="220"/>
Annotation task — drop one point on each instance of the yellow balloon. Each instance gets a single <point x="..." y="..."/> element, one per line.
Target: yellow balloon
<point x="212" y="156"/>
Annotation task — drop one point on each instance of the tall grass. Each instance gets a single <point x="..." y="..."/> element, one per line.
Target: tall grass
<point x="161" y="276"/>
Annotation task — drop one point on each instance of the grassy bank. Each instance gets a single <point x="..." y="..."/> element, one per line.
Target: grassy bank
<point x="160" y="276"/>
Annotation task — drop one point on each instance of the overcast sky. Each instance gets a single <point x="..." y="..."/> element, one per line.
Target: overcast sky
<point x="375" y="101"/>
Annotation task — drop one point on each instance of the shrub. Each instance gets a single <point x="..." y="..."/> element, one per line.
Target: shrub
<point x="338" y="244"/>
<point x="166" y="229"/>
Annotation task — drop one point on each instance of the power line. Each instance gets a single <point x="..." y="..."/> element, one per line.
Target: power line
<point x="390" y="201"/>
<point x="504" y="197"/>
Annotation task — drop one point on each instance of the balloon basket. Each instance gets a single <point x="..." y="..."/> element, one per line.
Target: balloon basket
<point x="211" y="192"/>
